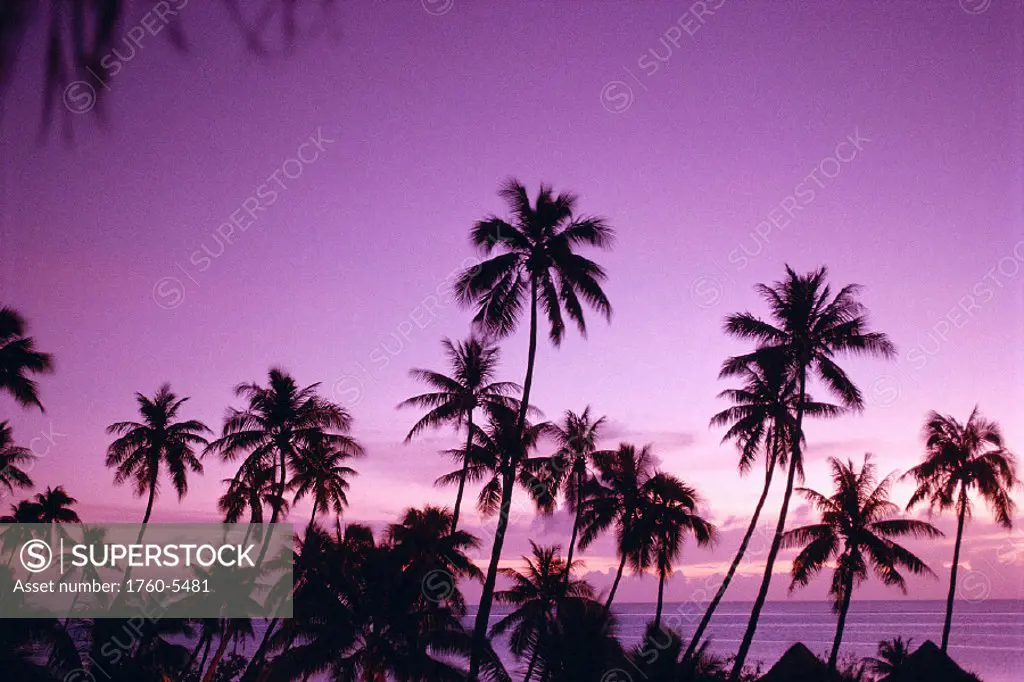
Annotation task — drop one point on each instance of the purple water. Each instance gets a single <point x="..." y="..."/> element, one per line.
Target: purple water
<point x="987" y="637"/>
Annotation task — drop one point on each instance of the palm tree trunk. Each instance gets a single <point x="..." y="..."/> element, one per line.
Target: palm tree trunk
<point x="281" y="485"/>
<point x="661" y="599"/>
<point x="465" y="472"/>
<point x="484" y="610"/>
<point x="706" y="620"/>
<point x="484" y="613"/>
<point x="142" y="531"/>
<point x="222" y="646"/>
<point x="844" y="607"/>
<point x="615" y="584"/>
<point x="575" y="528"/>
<point x="252" y="670"/>
<point x="780" y="528"/>
<point x="312" y="519"/>
<point x="961" y="515"/>
<point x="530" y="359"/>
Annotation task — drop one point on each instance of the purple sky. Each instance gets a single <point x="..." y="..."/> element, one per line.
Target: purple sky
<point x="343" y="278"/>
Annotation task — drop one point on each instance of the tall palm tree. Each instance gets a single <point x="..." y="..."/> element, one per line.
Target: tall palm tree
<point x="576" y="437"/>
<point x="615" y="496"/>
<point x="455" y="398"/>
<point x="321" y="472"/>
<point x="856" y="532"/>
<point x="159" y="440"/>
<point x="667" y="515"/>
<point x="960" y="459"/>
<point x="760" y="420"/>
<point x="54" y="505"/>
<point x="19" y="358"/>
<point x="13" y="459"/>
<point x="279" y="422"/>
<point x="536" y="596"/>
<point x="809" y="327"/>
<point x="532" y="262"/>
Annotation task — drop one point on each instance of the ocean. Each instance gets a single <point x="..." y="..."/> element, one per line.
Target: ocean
<point x="987" y="637"/>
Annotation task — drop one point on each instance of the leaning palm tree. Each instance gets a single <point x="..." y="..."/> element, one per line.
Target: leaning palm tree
<point x="614" y="497"/>
<point x="280" y="421"/>
<point x="809" y="327"/>
<point x="961" y="458"/>
<point x="668" y="513"/>
<point x="501" y="455"/>
<point x="576" y="437"/>
<point x="321" y="472"/>
<point x="19" y="358"/>
<point x="532" y="262"/>
<point x="13" y="460"/>
<point x="455" y="398"/>
<point x="158" y="441"/>
<point x="536" y="595"/>
<point x="856" y="532"/>
<point x="760" y="420"/>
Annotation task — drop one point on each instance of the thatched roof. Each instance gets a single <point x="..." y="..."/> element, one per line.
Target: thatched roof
<point x="798" y="664"/>
<point x="930" y="664"/>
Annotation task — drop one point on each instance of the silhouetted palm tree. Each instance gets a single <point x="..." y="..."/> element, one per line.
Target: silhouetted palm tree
<point x="249" y="491"/>
<point x="157" y="441"/>
<point x="320" y="472"/>
<point x="584" y="644"/>
<point x="577" y="442"/>
<point x="657" y="659"/>
<point x="761" y="420"/>
<point x="279" y="422"/>
<point x="891" y="658"/>
<point x="962" y="458"/>
<point x="13" y="459"/>
<point x="614" y="496"/>
<point x="359" y="615"/>
<point x="856" y="533"/>
<point x="19" y="358"/>
<point x="455" y="398"/>
<point x="54" y="505"/>
<point x="668" y="513"/>
<point x="536" y="596"/>
<point x="535" y="265"/>
<point x="427" y="547"/>
<point x="809" y="327"/>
